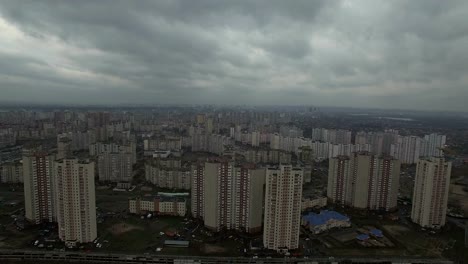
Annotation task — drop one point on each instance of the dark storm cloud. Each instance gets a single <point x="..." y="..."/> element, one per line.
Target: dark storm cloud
<point x="400" y="54"/>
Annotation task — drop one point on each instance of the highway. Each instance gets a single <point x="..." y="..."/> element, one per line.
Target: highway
<point x="20" y="255"/>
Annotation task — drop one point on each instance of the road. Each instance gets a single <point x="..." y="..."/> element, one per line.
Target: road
<point x="18" y="255"/>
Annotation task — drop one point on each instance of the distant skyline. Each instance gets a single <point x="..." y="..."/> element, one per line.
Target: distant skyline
<point x="399" y="54"/>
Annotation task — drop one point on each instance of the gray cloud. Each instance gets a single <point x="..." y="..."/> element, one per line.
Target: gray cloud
<point x="365" y="53"/>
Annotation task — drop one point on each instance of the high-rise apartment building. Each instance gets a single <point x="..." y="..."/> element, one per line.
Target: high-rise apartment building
<point x="408" y="149"/>
<point x="431" y="189"/>
<point x="282" y="217"/>
<point x="39" y="185"/>
<point x="364" y="181"/>
<point x="197" y="189"/>
<point x="432" y="145"/>
<point x="76" y="201"/>
<point x="228" y="196"/>
<point x="115" y="167"/>
<point x="11" y="172"/>
<point x="100" y="148"/>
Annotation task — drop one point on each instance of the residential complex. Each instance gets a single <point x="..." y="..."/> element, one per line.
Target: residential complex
<point x="39" y="186"/>
<point x="282" y="216"/>
<point x="76" y="201"/>
<point x="364" y="181"/>
<point x="228" y="196"/>
<point x="431" y="189"/>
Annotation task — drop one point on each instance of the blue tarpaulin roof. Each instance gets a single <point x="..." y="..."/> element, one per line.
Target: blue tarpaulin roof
<point x="362" y="237"/>
<point x="376" y="232"/>
<point x="323" y="217"/>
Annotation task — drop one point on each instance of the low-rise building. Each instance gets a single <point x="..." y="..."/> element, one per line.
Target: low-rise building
<point x="325" y="220"/>
<point x="173" y="178"/>
<point x="317" y="202"/>
<point x="159" y="204"/>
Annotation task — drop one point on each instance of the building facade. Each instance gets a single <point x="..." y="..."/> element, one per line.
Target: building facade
<point x="282" y="217"/>
<point x="173" y="178"/>
<point x="430" y="195"/>
<point x="76" y="201"/>
<point x="364" y="181"/>
<point x="39" y="186"/>
<point x="160" y="205"/>
<point x="226" y="196"/>
<point x="11" y="172"/>
<point x="115" y="166"/>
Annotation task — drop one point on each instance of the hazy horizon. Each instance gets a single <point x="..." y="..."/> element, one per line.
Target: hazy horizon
<point x="396" y="55"/>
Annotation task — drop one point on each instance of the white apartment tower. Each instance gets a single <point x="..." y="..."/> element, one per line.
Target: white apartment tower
<point x="283" y="196"/>
<point x="39" y="183"/>
<point x="431" y="189"/>
<point x="76" y="201"/>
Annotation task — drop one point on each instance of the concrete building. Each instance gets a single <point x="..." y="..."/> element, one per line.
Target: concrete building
<point x="384" y="184"/>
<point x="282" y="217"/>
<point x="76" y="201"/>
<point x="11" y="172"/>
<point x="7" y="137"/>
<point x="162" y="143"/>
<point x="433" y="145"/>
<point x="255" y="139"/>
<point x="39" y="186"/>
<point x="115" y="167"/>
<point x="168" y="177"/>
<point x="197" y="194"/>
<point x="333" y="136"/>
<point x="408" y="149"/>
<point x="99" y="148"/>
<point x="316" y="202"/>
<point x="160" y="205"/>
<point x="430" y="195"/>
<point x="267" y="156"/>
<point x="228" y="196"/>
<point x="64" y="148"/>
<point x="364" y="181"/>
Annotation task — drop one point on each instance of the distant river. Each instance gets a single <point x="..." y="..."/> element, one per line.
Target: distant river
<point x="397" y="118"/>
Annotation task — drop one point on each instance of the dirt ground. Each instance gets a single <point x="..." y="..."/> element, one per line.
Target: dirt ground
<point x="121" y="228"/>
<point x="211" y="249"/>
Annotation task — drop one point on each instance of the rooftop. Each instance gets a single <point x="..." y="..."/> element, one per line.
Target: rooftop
<point x="323" y="217"/>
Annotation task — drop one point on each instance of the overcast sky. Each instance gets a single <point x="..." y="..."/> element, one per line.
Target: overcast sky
<point x="387" y="54"/>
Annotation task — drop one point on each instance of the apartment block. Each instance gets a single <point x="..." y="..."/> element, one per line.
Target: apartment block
<point x="160" y="205"/>
<point x="11" y="172"/>
<point x="39" y="186"/>
<point x="431" y="190"/>
<point x="364" y="181"/>
<point x="76" y="201"/>
<point x="115" y="167"/>
<point x="228" y="196"/>
<point x="283" y="198"/>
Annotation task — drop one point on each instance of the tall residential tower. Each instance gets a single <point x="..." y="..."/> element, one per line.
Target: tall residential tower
<point x="39" y="186"/>
<point x="283" y="196"/>
<point x="76" y="201"/>
<point x="431" y="189"/>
